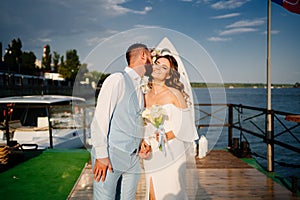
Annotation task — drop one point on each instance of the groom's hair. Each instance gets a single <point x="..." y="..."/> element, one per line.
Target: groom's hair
<point x="132" y="49"/>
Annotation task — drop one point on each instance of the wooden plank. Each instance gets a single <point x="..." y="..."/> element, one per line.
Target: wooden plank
<point x="83" y="188"/>
<point x="221" y="176"/>
<point x="220" y="159"/>
<point x="239" y="184"/>
<point x="293" y="118"/>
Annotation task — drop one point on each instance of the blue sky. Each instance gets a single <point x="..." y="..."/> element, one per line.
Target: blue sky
<point x="233" y="32"/>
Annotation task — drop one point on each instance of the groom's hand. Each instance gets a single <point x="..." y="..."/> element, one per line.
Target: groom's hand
<point x="145" y="150"/>
<point x="100" y="168"/>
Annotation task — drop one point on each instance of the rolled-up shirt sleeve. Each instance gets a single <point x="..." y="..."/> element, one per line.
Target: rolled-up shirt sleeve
<point x="110" y="93"/>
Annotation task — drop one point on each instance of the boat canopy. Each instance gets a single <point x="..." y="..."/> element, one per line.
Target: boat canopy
<point x="40" y="99"/>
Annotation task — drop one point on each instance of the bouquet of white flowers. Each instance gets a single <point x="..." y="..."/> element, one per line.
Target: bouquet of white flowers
<point x="156" y="115"/>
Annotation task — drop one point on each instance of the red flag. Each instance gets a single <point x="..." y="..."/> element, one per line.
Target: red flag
<point x="290" y="5"/>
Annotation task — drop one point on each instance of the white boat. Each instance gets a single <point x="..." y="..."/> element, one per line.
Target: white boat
<point x="42" y="121"/>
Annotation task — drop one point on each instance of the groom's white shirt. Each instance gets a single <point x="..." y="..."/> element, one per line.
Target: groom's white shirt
<point x="111" y="92"/>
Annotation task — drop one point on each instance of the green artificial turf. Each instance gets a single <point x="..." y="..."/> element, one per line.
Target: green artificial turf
<point x="50" y="175"/>
<point x="274" y="176"/>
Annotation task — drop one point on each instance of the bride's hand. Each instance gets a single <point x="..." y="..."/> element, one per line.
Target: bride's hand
<point x="169" y="136"/>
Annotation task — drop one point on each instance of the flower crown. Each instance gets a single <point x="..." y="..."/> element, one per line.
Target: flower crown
<point x="159" y="52"/>
<point x="154" y="53"/>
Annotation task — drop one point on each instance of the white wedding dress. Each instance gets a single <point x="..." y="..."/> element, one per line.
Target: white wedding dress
<point x="168" y="172"/>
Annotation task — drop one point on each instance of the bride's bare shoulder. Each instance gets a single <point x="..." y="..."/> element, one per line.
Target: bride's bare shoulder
<point x="177" y="98"/>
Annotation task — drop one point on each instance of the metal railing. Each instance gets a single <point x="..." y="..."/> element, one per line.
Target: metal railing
<point x="247" y="124"/>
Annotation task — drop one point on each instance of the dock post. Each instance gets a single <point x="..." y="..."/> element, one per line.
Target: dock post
<point x="230" y="120"/>
<point x="269" y="115"/>
<point x="270" y="140"/>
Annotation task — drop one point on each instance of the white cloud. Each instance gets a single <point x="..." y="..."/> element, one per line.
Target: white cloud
<point x="229" y="4"/>
<point x="107" y="7"/>
<point x="242" y="26"/>
<point x="237" y="31"/>
<point x="147" y="9"/>
<point x="203" y="1"/>
<point x="115" y="8"/>
<point x="246" y="23"/>
<point x="45" y="40"/>
<point x="226" y="16"/>
<point x="218" y="39"/>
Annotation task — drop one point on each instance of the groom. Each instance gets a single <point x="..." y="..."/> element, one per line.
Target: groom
<point x="117" y="128"/>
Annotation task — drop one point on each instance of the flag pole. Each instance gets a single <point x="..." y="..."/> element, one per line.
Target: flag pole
<point x="269" y="125"/>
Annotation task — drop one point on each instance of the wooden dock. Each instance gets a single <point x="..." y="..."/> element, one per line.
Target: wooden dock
<point x="221" y="176"/>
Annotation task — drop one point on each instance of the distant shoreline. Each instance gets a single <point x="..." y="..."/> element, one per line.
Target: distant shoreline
<point x="87" y="91"/>
<point x="240" y="85"/>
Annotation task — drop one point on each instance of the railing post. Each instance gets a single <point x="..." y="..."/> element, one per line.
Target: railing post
<point x="270" y="140"/>
<point x="84" y="126"/>
<point x="294" y="184"/>
<point x="230" y="121"/>
<point x="50" y="128"/>
<point x="6" y="110"/>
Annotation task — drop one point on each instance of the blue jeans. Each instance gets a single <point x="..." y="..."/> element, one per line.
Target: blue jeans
<point x="130" y="173"/>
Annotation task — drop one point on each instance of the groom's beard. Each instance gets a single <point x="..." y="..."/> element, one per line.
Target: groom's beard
<point x="148" y="68"/>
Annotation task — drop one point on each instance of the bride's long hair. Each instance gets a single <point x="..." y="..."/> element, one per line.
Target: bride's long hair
<point x="174" y="79"/>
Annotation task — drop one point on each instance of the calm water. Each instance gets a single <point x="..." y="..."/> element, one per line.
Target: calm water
<point x="283" y="99"/>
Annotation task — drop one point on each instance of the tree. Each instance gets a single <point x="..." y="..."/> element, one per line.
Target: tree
<point x="62" y="62"/>
<point x="62" y="68"/>
<point x="28" y="63"/>
<point x="56" y="57"/>
<point x="70" y="67"/>
<point x="72" y="62"/>
<point x="46" y="60"/>
<point x="82" y="72"/>
<point x="17" y="46"/>
<point x="9" y="60"/>
<point x="12" y="57"/>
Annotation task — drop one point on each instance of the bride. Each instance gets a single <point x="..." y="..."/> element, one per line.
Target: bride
<point x="167" y="168"/>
